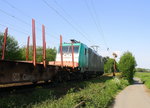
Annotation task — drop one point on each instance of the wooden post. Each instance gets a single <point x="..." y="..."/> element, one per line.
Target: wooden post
<point x="114" y="67"/>
<point x="34" y="42"/>
<point x="44" y="46"/>
<point x="61" y="51"/>
<point x="4" y="43"/>
<point x="27" y="49"/>
<point x="115" y="56"/>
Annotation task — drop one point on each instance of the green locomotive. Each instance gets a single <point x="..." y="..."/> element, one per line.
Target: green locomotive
<point x="85" y="59"/>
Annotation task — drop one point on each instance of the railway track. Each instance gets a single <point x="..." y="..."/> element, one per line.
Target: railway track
<point x="19" y="88"/>
<point x="23" y="87"/>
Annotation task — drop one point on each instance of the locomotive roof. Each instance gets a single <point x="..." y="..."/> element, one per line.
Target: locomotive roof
<point x="78" y="44"/>
<point x="69" y="44"/>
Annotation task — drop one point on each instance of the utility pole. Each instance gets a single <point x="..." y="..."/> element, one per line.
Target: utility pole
<point x="115" y="56"/>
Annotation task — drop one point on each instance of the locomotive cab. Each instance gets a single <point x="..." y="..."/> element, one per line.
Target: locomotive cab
<point x="67" y="54"/>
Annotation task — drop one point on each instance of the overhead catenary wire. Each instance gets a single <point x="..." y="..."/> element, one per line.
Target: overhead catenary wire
<point x="55" y="1"/>
<point x="20" y="11"/>
<point x="25" y="14"/>
<point x="64" y="11"/>
<point x="8" y="14"/>
<point x="83" y="34"/>
<point x="92" y="16"/>
<point x="95" y="20"/>
<point x="25" y="33"/>
<point x="17" y="26"/>
<point x="100" y="27"/>
<point x="18" y="19"/>
<point x="66" y="20"/>
<point x="15" y="29"/>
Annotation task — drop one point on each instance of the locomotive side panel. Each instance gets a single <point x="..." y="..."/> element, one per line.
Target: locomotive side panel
<point x="95" y="63"/>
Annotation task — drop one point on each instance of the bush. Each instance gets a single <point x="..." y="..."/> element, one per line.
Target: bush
<point x="108" y="67"/>
<point x="127" y="65"/>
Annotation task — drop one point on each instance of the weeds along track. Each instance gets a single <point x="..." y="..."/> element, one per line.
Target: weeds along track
<point x="97" y="91"/>
<point x="29" y="87"/>
<point x="21" y="88"/>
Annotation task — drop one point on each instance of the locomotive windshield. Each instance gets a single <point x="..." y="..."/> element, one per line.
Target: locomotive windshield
<point x="68" y="49"/>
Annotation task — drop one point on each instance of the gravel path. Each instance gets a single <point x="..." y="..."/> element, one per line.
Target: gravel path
<point x="134" y="96"/>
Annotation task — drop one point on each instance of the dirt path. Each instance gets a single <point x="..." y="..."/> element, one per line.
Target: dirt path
<point x="134" y="96"/>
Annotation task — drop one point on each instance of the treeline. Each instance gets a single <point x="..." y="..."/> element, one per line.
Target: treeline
<point x="142" y="70"/>
<point x="126" y="65"/>
<point x="14" y="52"/>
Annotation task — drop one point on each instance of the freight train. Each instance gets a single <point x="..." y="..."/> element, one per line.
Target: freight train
<point x="73" y="61"/>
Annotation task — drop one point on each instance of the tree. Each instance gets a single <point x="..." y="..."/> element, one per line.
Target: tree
<point x="50" y="54"/>
<point x="12" y="51"/>
<point x="142" y="70"/>
<point x="105" y="59"/>
<point x="127" y="66"/>
<point x="109" y="66"/>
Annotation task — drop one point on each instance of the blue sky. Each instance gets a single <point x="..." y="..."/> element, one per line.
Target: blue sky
<point x="122" y="25"/>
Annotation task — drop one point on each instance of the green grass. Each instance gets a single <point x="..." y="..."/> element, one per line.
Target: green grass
<point x="97" y="93"/>
<point x="145" y="77"/>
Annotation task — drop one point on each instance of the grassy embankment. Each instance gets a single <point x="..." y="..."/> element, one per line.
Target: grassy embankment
<point x="95" y="93"/>
<point x="145" y="77"/>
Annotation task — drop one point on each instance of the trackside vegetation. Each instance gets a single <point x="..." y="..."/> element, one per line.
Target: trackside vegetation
<point x="109" y="66"/>
<point x="94" y="93"/>
<point x="145" y="77"/>
<point x="127" y="66"/>
<point x="12" y="48"/>
<point x="14" y="52"/>
<point x="50" y="53"/>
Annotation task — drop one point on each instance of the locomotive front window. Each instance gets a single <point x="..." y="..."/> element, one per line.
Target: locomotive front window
<point x="65" y="49"/>
<point x="76" y="49"/>
<point x="68" y="49"/>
